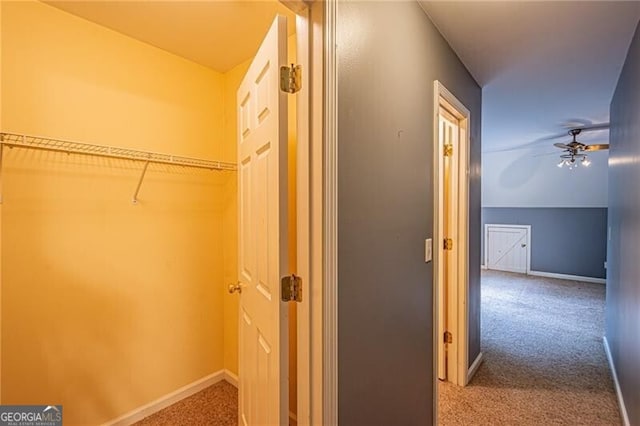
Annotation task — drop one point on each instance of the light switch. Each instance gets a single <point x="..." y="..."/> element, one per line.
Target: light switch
<point x="428" y="248"/>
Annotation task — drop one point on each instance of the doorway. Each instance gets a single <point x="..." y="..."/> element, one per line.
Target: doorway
<point x="451" y="229"/>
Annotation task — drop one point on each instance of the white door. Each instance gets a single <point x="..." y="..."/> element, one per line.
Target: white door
<point x="262" y="240"/>
<point x="507" y="248"/>
<point x="449" y="135"/>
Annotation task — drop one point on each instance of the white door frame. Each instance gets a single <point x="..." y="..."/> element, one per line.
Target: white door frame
<point x="328" y="209"/>
<point x="329" y="214"/>
<point x="486" y="243"/>
<point x="458" y="303"/>
<point x="311" y="319"/>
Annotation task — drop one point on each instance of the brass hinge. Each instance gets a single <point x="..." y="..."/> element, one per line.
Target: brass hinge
<point x="290" y="78"/>
<point x="448" y="337"/>
<point x="448" y="244"/>
<point x="291" y="288"/>
<point x="448" y="150"/>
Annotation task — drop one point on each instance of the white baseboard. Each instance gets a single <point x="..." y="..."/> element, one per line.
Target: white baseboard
<point x="568" y="277"/>
<point x="623" y="408"/>
<point x="163" y="402"/>
<point x="474" y="367"/>
<point x="231" y="377"/>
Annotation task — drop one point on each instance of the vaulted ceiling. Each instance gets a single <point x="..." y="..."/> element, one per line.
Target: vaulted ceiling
<point x="544" y="66"/>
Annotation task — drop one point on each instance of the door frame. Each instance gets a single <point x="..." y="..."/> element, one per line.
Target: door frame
<point x="327" y="209"/>
<point x="458" y="304"/>
<point x="486" y="243"/>
<point x="311" y="319"/>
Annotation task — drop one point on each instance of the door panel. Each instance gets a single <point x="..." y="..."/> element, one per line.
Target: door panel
<point x="262" y="240"/>
<point x="507" y="249"/>
<point x="449" y="132"/>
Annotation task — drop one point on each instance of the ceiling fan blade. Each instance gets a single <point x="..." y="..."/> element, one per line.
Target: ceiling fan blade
<point x="511" y="148"/>
<point x="546" y="154"/>
<point x="561" y="146"/>
<point x="556" y="136"/>
<point x="595" y="126"/>
<point x="585" y="128"/>
<point x="599" y="147"/>
<point x="576" y="122"/>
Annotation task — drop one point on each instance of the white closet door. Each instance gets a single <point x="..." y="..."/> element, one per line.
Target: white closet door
<point x="507" y="248"/>
<point x="262" y="240"/>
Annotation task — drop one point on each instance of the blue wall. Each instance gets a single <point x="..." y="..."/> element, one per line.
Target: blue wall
<point x="623" y="281"/>
<point x="569" y="241"/>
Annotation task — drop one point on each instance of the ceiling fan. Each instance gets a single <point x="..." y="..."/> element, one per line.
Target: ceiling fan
<point x="574" y="125"/>
<point x="574" y="151"/>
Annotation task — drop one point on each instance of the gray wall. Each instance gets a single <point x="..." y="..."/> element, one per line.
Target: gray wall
<point x="389" y="55"/>
<point x="623" y="282"/>
<point x="563" y="240"/>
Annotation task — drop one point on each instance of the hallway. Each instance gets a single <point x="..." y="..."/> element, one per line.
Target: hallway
<point x="544" y="360"/>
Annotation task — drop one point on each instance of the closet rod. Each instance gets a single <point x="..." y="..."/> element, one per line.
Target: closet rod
<point x="13" y="140"/>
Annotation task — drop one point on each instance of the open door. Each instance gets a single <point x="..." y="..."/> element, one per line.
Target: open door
<point x="451" y="233"/>
<point x="449" y="135"/>
<point x="262" y="239"/>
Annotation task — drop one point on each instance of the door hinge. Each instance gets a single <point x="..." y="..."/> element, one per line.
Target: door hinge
<point x="291" y="288"/>
<point x="448" y="244"/>
<point x="448" y="150"/>
<point x="448" y="337"/>
<point x="290" y="78"/>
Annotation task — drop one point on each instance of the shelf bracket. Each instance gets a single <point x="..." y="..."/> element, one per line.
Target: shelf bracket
<point x="144" y="171"/>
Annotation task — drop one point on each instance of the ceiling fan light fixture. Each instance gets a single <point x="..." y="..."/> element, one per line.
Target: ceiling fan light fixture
<point x="586" y="162"/>
<point x="561" y="163"/>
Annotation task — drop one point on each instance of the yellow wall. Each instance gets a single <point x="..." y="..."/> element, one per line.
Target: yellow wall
<point x="232" y="81"/>
<point x="107" y="305"/>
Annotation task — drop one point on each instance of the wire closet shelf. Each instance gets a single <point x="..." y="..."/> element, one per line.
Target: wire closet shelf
<point x="12" y="140"/>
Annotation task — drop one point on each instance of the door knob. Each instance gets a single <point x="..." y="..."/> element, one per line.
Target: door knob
<point x="523" y="245"/>
<point x="233" y="288"/>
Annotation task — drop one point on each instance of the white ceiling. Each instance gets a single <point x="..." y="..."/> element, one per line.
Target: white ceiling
<point x="544" y="66"/>
<point x="217" y="34"/>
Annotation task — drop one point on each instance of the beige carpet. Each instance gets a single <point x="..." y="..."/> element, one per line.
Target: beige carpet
<point x="216" y="405"/>
<point x="544" y="359"/>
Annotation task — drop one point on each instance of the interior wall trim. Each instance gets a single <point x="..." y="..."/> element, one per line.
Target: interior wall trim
<point x="231" y="377"/>
<point x="474" y="367"/>
<point x="569" y="277"/>
<point x="163" y="402"/>
<point x="623" y="408"/>
<point x="330" y="218"/>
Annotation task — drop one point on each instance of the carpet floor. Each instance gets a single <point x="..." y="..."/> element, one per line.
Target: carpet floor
<point x="216" y="405"/>
<point x="544" y="360"/>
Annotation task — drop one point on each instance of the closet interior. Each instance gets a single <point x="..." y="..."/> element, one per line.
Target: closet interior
<point x="118" y="183"/>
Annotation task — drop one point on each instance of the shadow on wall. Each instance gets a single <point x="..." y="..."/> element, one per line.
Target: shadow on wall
<point x="520" y="171"/>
